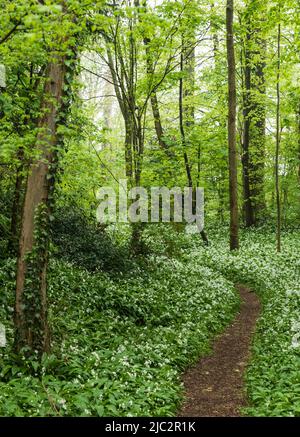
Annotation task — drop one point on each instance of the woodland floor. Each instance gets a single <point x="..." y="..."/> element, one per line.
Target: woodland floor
<point x="215" y="385"/>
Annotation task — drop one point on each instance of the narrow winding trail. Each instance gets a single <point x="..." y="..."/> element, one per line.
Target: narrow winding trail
<point x="215" y="385"/>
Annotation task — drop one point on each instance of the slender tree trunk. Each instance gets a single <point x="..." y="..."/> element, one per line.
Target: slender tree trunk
<point x="157" y="121"/>
<point x="278" y="139"/>
<point x="248" y="207"/>
<point x="233" y="190"/>
<point x="219" y="83"/>
<point x="285" y="204"/>
<point x="31" y="323"/>
<point x="186" y="123"/>
<point x="154" y="101"/>
<point x="181" y="126"/>
<point x="222" y="200"/>
<point x="125" y="110"/>
<point x="189" y="61"/>
<point x="129" y="127"/>
<point x="215" y="38"/>
<point x="253" y="144"/>
<point x="298" y="134"/>
<point x="123" y="68"/>
<point x="140" y="149"/>
<point x="258" y="130"/>
<point x="153" y="98"/>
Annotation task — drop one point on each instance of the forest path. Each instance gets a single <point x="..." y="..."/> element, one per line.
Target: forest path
<point x="215" y="385"/>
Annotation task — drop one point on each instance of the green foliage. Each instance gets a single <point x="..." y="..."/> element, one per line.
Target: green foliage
<point x="273" y="375"/>
<point x="119" y="344"/>
<point x="124" y="329"/>
<point x="34" y="319"/>
<point x="5" y="204"/>
<point x="4" y="226"/>
<point x="86" y="243"/>
<point x="165" y="239"/>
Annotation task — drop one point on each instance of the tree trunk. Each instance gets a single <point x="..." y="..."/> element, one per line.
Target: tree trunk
<point x="154" y="101"/>
<point x="157" y="121"/>
<point x="222" y="178"/>
<point x="257" y="141"/>
<point x="31" y="323"/>
<point x="298" y="127"/>
<point x="253" y="157"/>
<point x="181" y="126"/>
<point x="248" y="207"/>
<point x="187" y="122"/>
<point x="233" y="190"/>
<point x="129" y="127"/>
<point x="278" y="135"/>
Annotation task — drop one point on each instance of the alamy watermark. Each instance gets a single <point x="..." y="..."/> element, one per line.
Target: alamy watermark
<point x="153" y="205"/>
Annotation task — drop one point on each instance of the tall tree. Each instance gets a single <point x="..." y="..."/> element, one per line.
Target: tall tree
<point x="253" y="142"/>
<point x="298" y="140"/>
<point x="278" y="139"/>
<point x="248" y="204"/>
<point x="31" y="323"/>
<point x="187" y="112"/>
<point x="233" y="183"/>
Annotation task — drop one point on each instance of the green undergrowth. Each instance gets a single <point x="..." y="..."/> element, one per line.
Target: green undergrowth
<point x="273" y="376"/>
<point x="120" y="342"/>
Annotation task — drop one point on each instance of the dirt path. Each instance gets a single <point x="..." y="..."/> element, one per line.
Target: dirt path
<point x="214" y="386"/>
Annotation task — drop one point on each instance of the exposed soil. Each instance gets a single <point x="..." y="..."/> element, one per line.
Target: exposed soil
<point x="215" y="385"/>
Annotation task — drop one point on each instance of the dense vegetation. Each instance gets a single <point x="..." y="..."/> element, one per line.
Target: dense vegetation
<point x="100" y="318"/>
<point x="120" y="344"/>
<point x="273" y="375"/>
